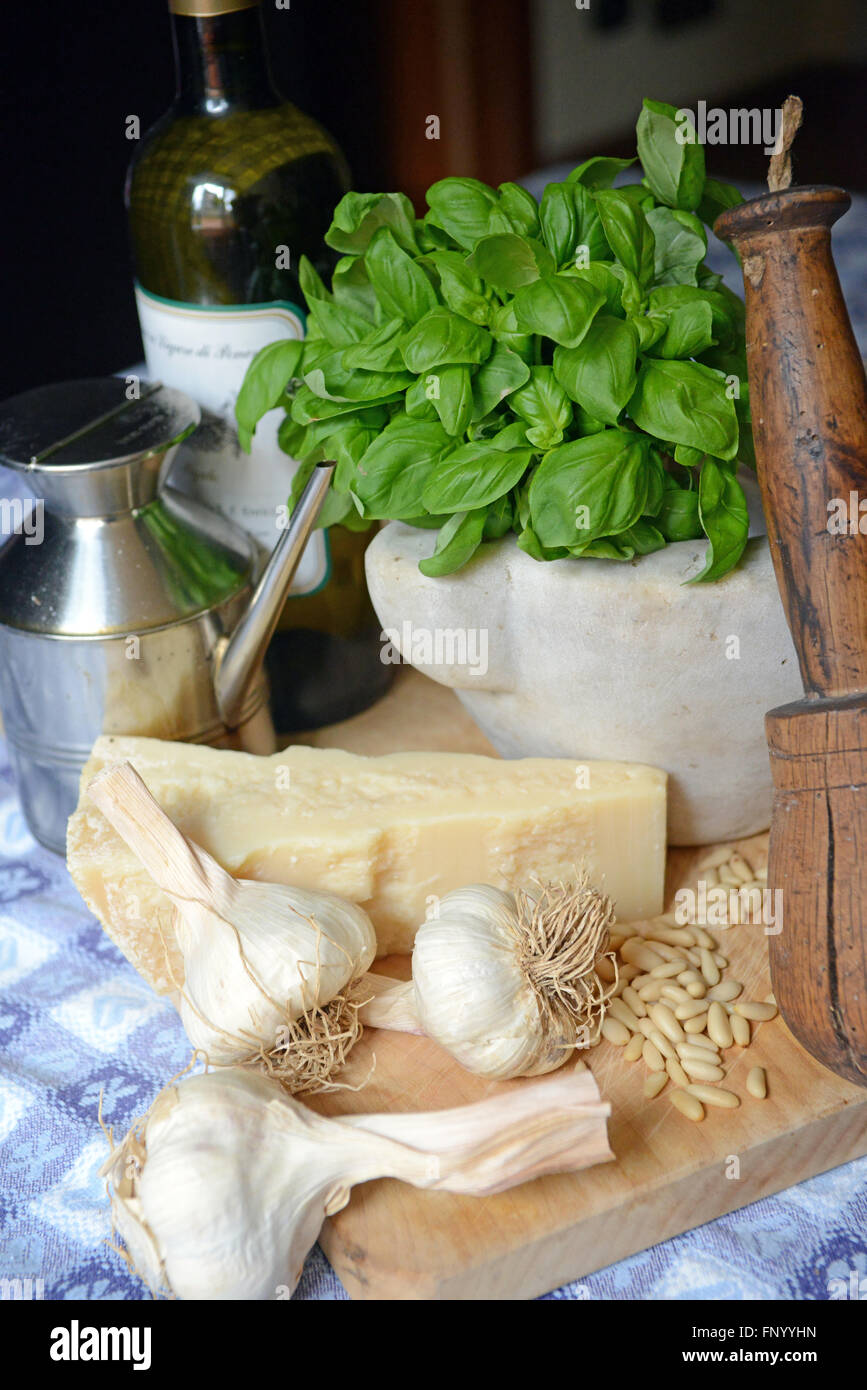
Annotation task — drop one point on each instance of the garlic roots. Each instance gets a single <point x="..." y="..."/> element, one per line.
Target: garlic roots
<point x="221" y="1190"/>
<point x="271" y="972"/>
<point x="507" y="985"/>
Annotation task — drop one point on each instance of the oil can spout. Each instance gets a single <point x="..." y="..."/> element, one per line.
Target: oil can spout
<point x="242" y="654"/>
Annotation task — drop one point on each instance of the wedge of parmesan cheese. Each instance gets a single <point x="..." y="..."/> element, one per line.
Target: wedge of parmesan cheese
<point x="392" y="833"/>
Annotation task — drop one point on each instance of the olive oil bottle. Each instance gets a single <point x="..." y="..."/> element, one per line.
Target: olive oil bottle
<point x="224" y="195"/>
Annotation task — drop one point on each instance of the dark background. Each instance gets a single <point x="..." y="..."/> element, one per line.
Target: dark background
<point x="370" y="70"/>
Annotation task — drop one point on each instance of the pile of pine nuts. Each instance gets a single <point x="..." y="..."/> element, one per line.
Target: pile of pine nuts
<point x="672" y="1005"/>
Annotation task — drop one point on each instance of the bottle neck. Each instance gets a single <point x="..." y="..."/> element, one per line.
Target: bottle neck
<point x="221" y="62"/>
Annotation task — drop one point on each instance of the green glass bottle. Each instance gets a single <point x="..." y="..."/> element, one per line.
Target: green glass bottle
<point x="224" y="195"/>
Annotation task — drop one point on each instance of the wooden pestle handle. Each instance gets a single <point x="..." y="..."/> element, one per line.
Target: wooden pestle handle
<point x="809" y="403"/>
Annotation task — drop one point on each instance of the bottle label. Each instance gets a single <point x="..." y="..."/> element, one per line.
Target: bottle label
<point x="204" y="350"/>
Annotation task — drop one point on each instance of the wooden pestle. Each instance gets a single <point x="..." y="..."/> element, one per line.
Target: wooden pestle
<point x="808" y="397"/>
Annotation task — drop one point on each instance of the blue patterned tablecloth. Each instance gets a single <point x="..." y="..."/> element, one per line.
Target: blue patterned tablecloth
<point x="75" y="1020"/>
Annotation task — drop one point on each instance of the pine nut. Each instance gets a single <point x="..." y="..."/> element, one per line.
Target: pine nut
<point x="691" y="1010"/>
<point x="757" y="1082"/>
<point x="693" y="955"/>
<point x="669" y="970"/>
<point x="696" y="988"/>
<point x="606" y="969"/>
<point x="634" y="1047"/>
<point x="728" y="876"/>
<point x="710" y="877"/>
<point x="695" y="1025"/>
<point x="628" y="973"/>
<point x="639" y="981"/>
<point x="673" y="994"/>
<point x="709" y="968"/>
<point x="672" y="936"/>
<point x="666" y="1022"/>
<point x="718" y="1027"/>
<point x="662" y="1044"/>
<point x="689" y="977"/>
<point x="762" y="873"/>
<point x="637" y="952"/>
<point x="669" y="953"/>
<point x="715" y="857"/>
<point x="652" y="1056"/>
<point x="687" y="1053"/>
<point x="725" y="991"/>
<point x="616" y="940"/>
<point x="704" y="939"/>
<point x="701" y="1041"/>
<point x="701" y="1071"/>
<point x="688" y="1105"/>
<point x="720" y="960"/>
<point x="654" y="1083"/>
<point x="647" y="1027"/>
<point x="617" y="1009"/>
<point x="635" y="1002"/>
<point x="740" y="1030"/>
<point x="740" y="868"/>
<point x="677" y="1073"/>
<point x="771" y="998"/>
<point x="616" y="990"/>
<point x="650" y="993"/>
<point x="713" y="1095"/>
<point x="758" y="1013"/>
<point x="615" y="1032"/>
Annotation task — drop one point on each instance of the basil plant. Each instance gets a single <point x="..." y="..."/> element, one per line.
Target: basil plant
<point x="569" y="370"/>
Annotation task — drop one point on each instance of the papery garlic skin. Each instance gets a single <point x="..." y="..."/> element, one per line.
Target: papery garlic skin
<point x="283" y="952"/>
<point x="471" y="994"/>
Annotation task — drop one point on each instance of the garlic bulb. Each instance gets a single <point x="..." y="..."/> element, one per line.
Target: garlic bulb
<point x="221" y="1190"/>
<point x="507" y="985"/>
<point x="270" y="972"/>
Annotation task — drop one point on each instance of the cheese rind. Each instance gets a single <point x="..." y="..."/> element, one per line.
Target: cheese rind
<point x="391" y="833"/>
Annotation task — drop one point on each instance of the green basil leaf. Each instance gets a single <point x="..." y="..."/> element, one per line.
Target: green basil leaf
<point x="359" y="215"/>
<point x="584" y="423"/>
<point x="598" y="172"/>
<point x="557" y="306"/>
<point x="512" y="436"/>
<point x="393" y="471"/>
<point x="351" y="286"/>
<point x="725" y="520"/>
<point x="656" y="481"/>
<point x="590" y="239"/>
<point x="457" y="542"/>
<point x="474" y="475"/>
<point x="418" y="401"/>
<point x="686" y="403"/>
<point x="461" y="207"/>
<point x="680" y="246"/>
<point x="671" y="155"/>
<point x="401" y="286"/>
<point x="441" y="338"/>
<point x="499" y="518"/>
<point x="678" y="518"/>
<point x="529" y="542"/>
<point x="452" y="398"/>
<point x="688" y="330"/>
<point x="687" y="457"/>
<point x="507" y="261"/>
<point x="600" y="372"/>
<point x="727" y="311"/>
<point x="264" y="385"/>
<point x="378" y="350"/>
<point x="603" y="278"/>
<point x="503" y="327"/>
<point x="311" y="281"/>
<point x="308" y="408"/>
<point x="590" y="488"/>
<point x="642" y="537"/>
<point x="497" y="378"/>
<point x="326" y="374"/>
<point x="337" y="323"/>
<point x="461" y="289"/>
<point x="543" y="403"/>
<point x="520" y="208"/>
<point x="628" y="233"/>
<point x="716" y="199"/>
<point x="559" y="221"/>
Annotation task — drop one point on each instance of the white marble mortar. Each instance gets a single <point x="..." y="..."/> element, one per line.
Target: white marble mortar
<point x="602" y="659"/>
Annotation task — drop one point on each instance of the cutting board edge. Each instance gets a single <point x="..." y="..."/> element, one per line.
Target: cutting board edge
<point x="844" y="1133"/>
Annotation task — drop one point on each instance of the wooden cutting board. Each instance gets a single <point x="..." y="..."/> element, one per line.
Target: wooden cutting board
<point x="392" y="1242"/>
